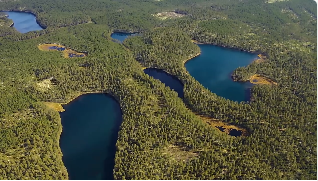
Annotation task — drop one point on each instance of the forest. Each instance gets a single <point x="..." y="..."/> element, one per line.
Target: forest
<point x="158" y="126"/>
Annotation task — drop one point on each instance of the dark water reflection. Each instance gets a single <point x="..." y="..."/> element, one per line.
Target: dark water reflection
<point x="235" y="132"/>
<point x="121" y="36"/>
<point x="169" y="80"/>
<point x="213" y="69"/>
<point x="88" y="142"/>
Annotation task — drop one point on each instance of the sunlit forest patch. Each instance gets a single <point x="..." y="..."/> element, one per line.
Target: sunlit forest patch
<point x="44" y="85"/>
<point x="55" y="106"/>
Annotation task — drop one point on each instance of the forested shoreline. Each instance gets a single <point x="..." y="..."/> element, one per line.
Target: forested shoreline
<point x="157" y="125"/>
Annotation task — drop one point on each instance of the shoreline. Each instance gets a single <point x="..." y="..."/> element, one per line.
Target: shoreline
<point x="261" y="57"/>
<point x="43" y="26"/>
<point x="110" y="94"/>
<point x="58" y="145"/>
<point x="169" y="74"/>
<point x="227" y="46"/>
<point x="191" y="57"/>
<point x="124" y="31"/>
<point x="78" y="94"/>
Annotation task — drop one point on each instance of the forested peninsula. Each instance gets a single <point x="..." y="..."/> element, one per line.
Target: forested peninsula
<point x="163" y="136"/>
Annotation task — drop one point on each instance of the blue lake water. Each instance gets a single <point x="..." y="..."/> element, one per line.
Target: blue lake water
<point x="213" y="69"/>
<point x="24" y="22"/>
<point x="170" y="81"/>
<point x="88" y="141"/>
<point x="121" y="36"/>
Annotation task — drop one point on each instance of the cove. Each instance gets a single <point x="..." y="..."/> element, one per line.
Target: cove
<point x="170" y="81"/>
<point x="88" y="141"/>
<point x="23" y="22"/>
<point x="213" y="69"/>
<point x="121" y="36"/>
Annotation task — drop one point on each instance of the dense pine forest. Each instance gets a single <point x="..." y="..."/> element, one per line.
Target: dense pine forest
<point x="162" y="136"/>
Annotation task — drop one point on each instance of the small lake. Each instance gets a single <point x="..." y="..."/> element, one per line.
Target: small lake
<point x="170" y="81"/>
<point x="23" y="22"/>
<point x="121" y="36"/>
<point x="213" y="69"/>
<point x="88" y="141"/>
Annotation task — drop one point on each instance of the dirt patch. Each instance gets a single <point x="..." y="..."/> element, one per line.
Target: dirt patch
<point x="259" y="79"/>
<point x="223" y="127"/>
<point x="168" y="15"/>
<point x="274" y="1"/>
<point x="44" y="85"/>
<point x="55" y="106"/>
<point x="262" y="58"/>
<point x="67" y="53"/>
<point x="178" y="153"/>
<point x="46" y="47"/>
<point x="58" y="106"/>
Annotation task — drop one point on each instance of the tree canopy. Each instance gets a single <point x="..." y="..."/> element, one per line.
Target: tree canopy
<point x="158" y="127"/>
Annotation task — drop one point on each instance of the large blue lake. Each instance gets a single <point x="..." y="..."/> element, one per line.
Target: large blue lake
<point x="88" y="141"/>
<point x="23" y="22"/>
<point x="212" y="68"/>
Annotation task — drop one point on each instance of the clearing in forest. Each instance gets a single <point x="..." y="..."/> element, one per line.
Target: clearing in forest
<point x="67" y="53"/>
<point x="178" y="153"/>
<point x="274" y="1"/>
<point x="55" y="106"/>
<point x="231" y="130"/>
<point x="168" y="15"/>
<point x="44" y="85"/>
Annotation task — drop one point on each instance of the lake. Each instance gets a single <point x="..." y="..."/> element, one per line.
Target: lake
<point x="121" y="36"/>
<point x="23" y="22"/>
<point x="88" y="141"/>
<point x="213" y="69"/>
<point x="170" y="81"/>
